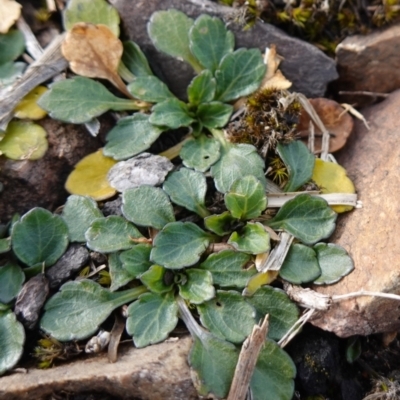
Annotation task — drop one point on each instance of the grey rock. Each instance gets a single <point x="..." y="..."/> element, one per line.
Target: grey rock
<point x="30" y="300"/>
<point x="306" y="66"/>
<point x="112" y="207"/>
<point x="71" y="262"/>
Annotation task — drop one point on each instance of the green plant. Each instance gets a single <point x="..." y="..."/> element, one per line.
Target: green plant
<point x="196" y="270"/>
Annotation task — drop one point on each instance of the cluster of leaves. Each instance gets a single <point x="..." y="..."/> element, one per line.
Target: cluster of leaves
<point x="163" y="267"/>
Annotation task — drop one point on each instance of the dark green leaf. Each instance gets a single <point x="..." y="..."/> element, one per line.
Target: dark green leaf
<point x="10" y="72"/>
<point x="334" y="262"/>
<point x="80" y="307"/>
<point x="308" y="218"/>
<point x="172" y="113"/>
<point x="39" y="237"/>
<point x="147" y="206"/>
<point x="283" y="313"/>
<point x="156" y="279"/>
<point x="118" y="274"/>
<point x="210" y="41"/>
<point x="273" y="377"/>
<point x="150" y="88"/>
<point x="11" y="280"/>
<point x="134" y="59"/>
<point x="202" y="88"/>
<point x="228" y="268"/>
<point x="178" y="245"/>
<point x="299" y="162"/>
<point x="188" y="188"/>
<point x="78" y="213"/>
<point x="246" y="198"/>
<point x="300" y="265"/>
<point x="151" y="318"/>
<point x="214" y="114"/>
<point x="239" y="74"/>
<point x="252" y="239"/>
<point x="228" y="316"/>
<point x="236" y="162"/>
<point x="12" y="45"/>
<point x="80" y="99"/>
<point x="5" y="245"/>
<point x="221" y="224"/>
<point x="137" y="260"/>
<point x="353" y="349"/>
<point x="198" y="286"/>
<point x="169" y="32"/>
<point x="131" y="136"/>
<point x="12" y="338"/>
<point x="110" y="234"/>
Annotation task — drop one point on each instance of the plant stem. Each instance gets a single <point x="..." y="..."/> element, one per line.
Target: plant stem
<point x="186" y="316"/>
<point x="218" y="134"/>
<point x="127" y="296"/>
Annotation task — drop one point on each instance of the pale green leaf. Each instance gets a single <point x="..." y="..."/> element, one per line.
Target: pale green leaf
<point x="214" y="114"/>
<point x="171" y="113"/>
<point x="151" y="318"/>
<point x="77" y="311"/>
<point x="78" y="213"/>
<point x="252" y="239"/>
<point x="228" y="316"/>
<point x="134" y="59"/>
<point x="136" y="260"/>
<point x="334" y="262"/>
<point x="299" y="162"/>
<point x="239" y="74"/>
<point x="197" y="287"/>
<point x="119" y="275"/>
<point x="11" y="280"/>
<point x="222" y="224"/>
<point x="210" y="41"/>
<point x="202" y="88"/>
<point x="39" y="237"/>
<point x="94" y="12"/>
<point x="308" y="218"/>
<point x="178" y="245"/>
<point x="5" y="245"/>
<point x="12" y="45"/>
<point x="10" y="72"/>
<point x="188" y="188"/>
<point x="147" y="206"/>
<point x="158" y="279"/>
<point x="150" y="88"/>
<point x="110" y="234"/>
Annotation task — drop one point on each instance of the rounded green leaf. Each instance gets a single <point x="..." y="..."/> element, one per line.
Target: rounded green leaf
<point x="222" y="224"/>
<point x="157" y="279"/>
<point x="12" y="338"/>
<point x="197" y="287"/>
<point x="118" y="274"/>
<point x="228" y="268"/>
<point x="210" y="41"/>
<point x="214" y="114"/>
<point x="178" y="245"/>
<point x="300" y="265"/>
<point x="39" y="237"/>
<point x="246" y="198"/>
<point x="135" y="60"/>
<point x="308" y="218"/>
<point x="171" y="113"/>
<point x="10" y="72"/>
<point x="11" y="280"/>
<point x="131" y="136"/>
<point x="273" y="376"/>
<point x="188" y="188"/>
<point x="147" y="206"/>
<point x="283" y="313"/>
<point x="236" y="162"/>
<point x="150" y="88"/>
<point x="334" y="262"/>
<point x="151" y="318"/>
<point x="200" y="153"/>
<point x="12" y="45"/>
<point x="94" y="12"/>
<point x="136" y="260"/>
<point x="77" y="311"/>
<point x="299" y="162"/>
<point x="78" y="213"/>
<point x="228" y="316"/>
<point x="202" y="88"/>
<point x="110" y="234"/>
<point x="24" y="140"/>
<point x="252" y="239"/>
<point x="239" y="74"/>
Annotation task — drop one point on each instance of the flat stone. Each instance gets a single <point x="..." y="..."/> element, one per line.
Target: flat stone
<point x="157" y="372"/>
<point x="372" y="234"/>
<point x="306" y="66"/>
<point x="369" y="63"/>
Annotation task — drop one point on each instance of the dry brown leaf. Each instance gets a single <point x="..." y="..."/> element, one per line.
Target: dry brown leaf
<point x="338" y="124"/>
<point x="95" y="52"/>
<point x="273" y="77"/>
<point x="10" y="11"/>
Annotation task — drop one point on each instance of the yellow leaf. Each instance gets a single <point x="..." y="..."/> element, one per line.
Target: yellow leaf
<point x="332" y="178"/>
<point x="28" y="108"/>
<point x="10" y="11"/>
<point x="89" y="178"/>
<point x="258" y="280"/>
<point x="24" y="140"/>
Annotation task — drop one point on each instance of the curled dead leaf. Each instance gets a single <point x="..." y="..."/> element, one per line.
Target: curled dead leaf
<point x="274" y="79"/>
<point x="336" y="120"/>
<point x="10" y="11"/>
<point x="94" y="51"/>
